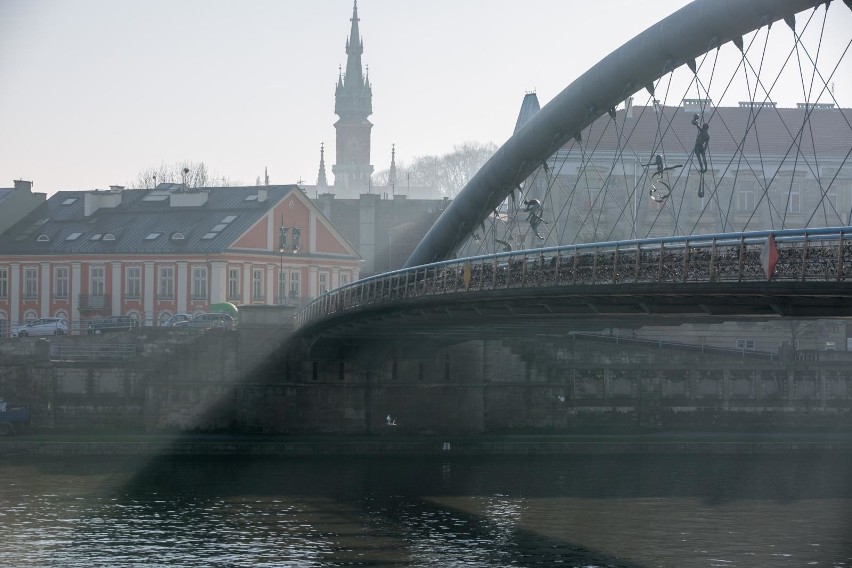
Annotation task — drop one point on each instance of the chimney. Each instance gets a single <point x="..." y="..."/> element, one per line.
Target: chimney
<point x="262" y="194"/>
<point x="628" y="107"/>
<point x="23" y="185"/>
<point x="116" y="188"/>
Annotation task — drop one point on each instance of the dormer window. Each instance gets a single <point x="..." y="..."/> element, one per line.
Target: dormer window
<point x="42" y="238"/>
<point x="156" y="197"/>
<point x="177" y="236"/>
<point x="109" y="237"/>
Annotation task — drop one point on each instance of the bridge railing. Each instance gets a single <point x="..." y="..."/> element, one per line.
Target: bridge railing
<point x="822" y="254"/>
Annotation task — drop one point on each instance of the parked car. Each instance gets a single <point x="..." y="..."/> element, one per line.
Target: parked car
<point x="211" y="321"/>
<point x="41" y="326"/>
<point x="177" y="319"/>
<point x="112" y="324"/>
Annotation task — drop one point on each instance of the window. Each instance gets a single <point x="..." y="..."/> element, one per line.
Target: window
<point x="830" y="346"/>
<point x="109" y="237"/>
<point x="152" y="236"/>
<point x="31" y="282"/>
<point x="199" y="282"/>
<point x="344" y="278"/>
<point x="69" y="201"/>
<point x="295" y="285"/>
<point x="794" y="201"/>
<point x="745" y="201"/>
<point x="4" y="282"/>
<point x="832" y="196"/>
<point x="97" y="285"/>
<point x="745" y="344"/>
<point x="233" y="283"/>
<point x="133" y="282"/>
<point x="229" y="218"/>
<point x="257" y="284"/>
<point x="178" y="236"/>
<point x="73" y="236"/>
<point x="208" y="236"/>
<point x="43" y="239"/>
<point x="219" y="227"/>
<point x="166" y="286"/>
<point x="323" y="282"/>
<point x="60" y="282"/>
<point x="96" y="237"/>
<point x="297" y="239"/>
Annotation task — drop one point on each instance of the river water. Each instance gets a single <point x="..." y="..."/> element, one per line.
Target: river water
<point x="583" y="511"/>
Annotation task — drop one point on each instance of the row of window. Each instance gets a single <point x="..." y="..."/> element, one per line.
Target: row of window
<point x="165" y="282"/>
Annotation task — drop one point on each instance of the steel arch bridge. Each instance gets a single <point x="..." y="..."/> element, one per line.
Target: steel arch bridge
<point x="683" y="49"/>
<point x="604" y="208"/>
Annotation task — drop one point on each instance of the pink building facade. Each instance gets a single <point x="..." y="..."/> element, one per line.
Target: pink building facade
<point x="151" y="254"/>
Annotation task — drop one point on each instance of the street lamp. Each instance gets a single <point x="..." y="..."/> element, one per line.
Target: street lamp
<point x="283" y="234"/>
<point x="282" y="247"/>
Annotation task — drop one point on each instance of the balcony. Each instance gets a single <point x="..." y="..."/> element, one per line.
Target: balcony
<point x="90" y="302"/>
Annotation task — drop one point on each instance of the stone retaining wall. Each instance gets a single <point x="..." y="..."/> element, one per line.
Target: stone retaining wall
<point x="185" y="382"/>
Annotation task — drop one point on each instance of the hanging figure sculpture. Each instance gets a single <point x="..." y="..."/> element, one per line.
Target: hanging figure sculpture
<point x="660" y="177"/>
<point x="702" y="140"/>
<point x="534" y="210"/>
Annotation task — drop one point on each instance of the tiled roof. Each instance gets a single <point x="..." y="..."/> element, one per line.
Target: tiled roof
<point x="771" y="131"/>
<point x="135" y="220"/>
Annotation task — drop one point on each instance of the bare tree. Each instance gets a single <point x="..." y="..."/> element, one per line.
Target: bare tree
<point x="447" y="173"/>
<point x="191" y="174"/>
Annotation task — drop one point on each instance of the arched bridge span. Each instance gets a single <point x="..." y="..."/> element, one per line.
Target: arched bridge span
<point x="696" y="29"/>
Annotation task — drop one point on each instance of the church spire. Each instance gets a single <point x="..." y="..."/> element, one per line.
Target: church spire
<point x="322" y="181"/>
<point x="392" y="171"/>
<point x="354" y="50"/>
<point x="353" y="103"/>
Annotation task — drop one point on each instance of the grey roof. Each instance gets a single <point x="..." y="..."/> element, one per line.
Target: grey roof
<point x="770" y="131"/>
<point x="135" y="218"/>
<point x="4" y="193"/>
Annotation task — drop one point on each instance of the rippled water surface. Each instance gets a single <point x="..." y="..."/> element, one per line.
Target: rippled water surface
<point x="746" y="511"/>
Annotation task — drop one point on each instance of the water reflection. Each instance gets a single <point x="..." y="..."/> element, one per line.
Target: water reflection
<point x="590" y="511"/>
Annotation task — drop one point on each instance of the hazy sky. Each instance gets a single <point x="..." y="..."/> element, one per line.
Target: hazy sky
<point x="93" y="91"/>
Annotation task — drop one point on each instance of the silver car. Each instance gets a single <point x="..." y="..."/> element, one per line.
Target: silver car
<point x="212" y="321"/>
<point x="41" y="326"/>
<point x="176" y="320"/>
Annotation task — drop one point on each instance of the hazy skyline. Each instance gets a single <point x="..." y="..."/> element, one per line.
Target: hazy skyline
<point x="93" y="91"/>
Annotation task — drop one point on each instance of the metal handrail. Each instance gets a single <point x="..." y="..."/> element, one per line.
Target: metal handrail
<point x="722" y="257"/>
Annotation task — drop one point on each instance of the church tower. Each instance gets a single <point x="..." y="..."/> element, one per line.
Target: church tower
<point x="353" y="103"/>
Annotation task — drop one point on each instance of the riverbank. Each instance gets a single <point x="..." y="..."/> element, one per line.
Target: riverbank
<point x="391" y="445"/>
